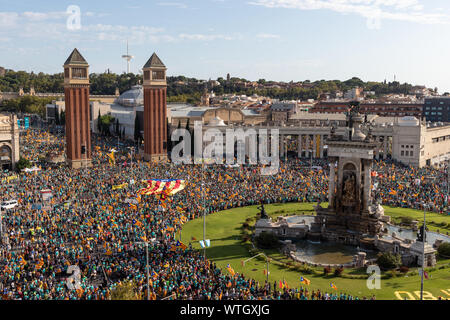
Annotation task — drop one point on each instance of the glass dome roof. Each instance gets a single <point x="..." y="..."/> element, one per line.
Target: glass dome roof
<point x="132" y="98"/>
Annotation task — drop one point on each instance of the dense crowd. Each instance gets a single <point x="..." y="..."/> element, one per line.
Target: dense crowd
<point x="90" y="224"/>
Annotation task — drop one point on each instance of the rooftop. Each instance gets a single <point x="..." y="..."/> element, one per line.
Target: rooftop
<point x="76" y="58"/>
<point x="154" y="61"/>
<point x="132" y="98"/>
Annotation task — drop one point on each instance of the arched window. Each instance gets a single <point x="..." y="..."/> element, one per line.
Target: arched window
<point x="349" y="166"/>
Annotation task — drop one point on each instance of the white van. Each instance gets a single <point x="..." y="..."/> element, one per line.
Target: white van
<point x="9" y="204"/>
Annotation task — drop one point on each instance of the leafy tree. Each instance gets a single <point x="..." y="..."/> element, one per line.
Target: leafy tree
<point x="57" y="119"/>
<point x="181" y="89"/>
<point x="125" y="291"/>
<point x="99" y="126"/>
<point x="27" y="104"/>
<point x="105" y="122"/>
<point x="23" y="163"/>
<point x="444" y="250"/>
<point x="388" y="260"/>
<point x="326" y="271"/>
<point x="63" y="118"/>
<point x="267" y="240"/>
<point x="338" y="271"/>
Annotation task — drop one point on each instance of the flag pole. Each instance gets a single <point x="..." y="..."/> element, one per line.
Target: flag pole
<point x="423" y="251"/>
<point x="148" y="278"/>
<point x="204" y="209"/>
<point x="1" y="225"/>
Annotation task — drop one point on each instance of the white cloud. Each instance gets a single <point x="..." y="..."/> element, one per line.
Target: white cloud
<point x="42" y="16"/>
<point x="178" y="5"/>
<point x="51" y="26"/>
<point x="401" y="10"/>
<point x="8" y="19"/>
<point x="204" y="37"/>
<point x="267" y="36"/>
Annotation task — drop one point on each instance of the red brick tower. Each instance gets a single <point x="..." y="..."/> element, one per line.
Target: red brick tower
<point x="155" y="110"/>
<point x="76" y="90"/>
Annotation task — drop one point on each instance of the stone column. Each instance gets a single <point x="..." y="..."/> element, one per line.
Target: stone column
<point x="385" y="147"/>
<point x="299" y="147"/>
<point x="281" y="145"/>
<point x="377" y="149"/>
<point x="321" y="146"/>
<point x="315" y="155"/>
<point x="331" y="185"/>
<point x="367" y="185"/>
<point x="307" y="143"/>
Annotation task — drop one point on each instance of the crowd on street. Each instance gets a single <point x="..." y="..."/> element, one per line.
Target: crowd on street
<point x="89" y="221"/>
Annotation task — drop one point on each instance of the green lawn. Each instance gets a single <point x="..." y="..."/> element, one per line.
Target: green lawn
<point x="224" y="230"/>
<point x="433" y="219"/>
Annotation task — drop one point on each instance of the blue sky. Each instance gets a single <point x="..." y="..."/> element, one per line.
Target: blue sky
<point x="273" y="39"/>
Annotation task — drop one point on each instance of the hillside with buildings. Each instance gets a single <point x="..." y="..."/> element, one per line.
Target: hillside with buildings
<point x="190" y="90"/>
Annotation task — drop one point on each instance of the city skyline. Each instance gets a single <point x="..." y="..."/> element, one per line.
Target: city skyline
<point x="280" y="40"/>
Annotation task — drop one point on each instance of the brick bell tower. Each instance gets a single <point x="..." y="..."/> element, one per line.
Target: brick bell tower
<point x="155" y="110"/>
<point x="76" y="90"/>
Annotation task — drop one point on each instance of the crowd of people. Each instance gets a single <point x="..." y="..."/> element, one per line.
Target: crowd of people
<point x="89" y="222"/>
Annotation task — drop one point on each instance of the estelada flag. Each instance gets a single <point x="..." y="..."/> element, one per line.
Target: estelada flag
<point x="181" y="245"/>
<point x="230" y="270"/>
<point x="22" y="261"/>
<point x="158" y="186"/>
<point x="393" y="192"/>
<point x="304" y="280"/>
<point x="333" y="286"/>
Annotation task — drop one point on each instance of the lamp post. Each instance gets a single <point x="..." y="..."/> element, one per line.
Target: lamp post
<point x="204" y="210"/>
<point x="423" y="250"/>
<point x="1" y="225"/>
<point x="131" y="151"/>
<point x="448" y="185"/>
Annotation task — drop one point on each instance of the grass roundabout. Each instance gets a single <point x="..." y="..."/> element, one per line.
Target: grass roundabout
<point x="230" y="244"/>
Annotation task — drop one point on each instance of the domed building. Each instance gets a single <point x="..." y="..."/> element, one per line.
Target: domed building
<point x="132" y="98"/>
<point x="124" y="109"/>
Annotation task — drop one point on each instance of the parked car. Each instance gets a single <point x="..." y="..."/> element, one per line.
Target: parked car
<point x="9" y="204"/>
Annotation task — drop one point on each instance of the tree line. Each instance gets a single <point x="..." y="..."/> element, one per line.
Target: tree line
<point x="189" y="90"/>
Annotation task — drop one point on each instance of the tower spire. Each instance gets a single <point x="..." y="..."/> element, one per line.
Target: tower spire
<point x="76" y="92"/>
<point x="128" y="57"/>
<point x="155" y="109"/>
